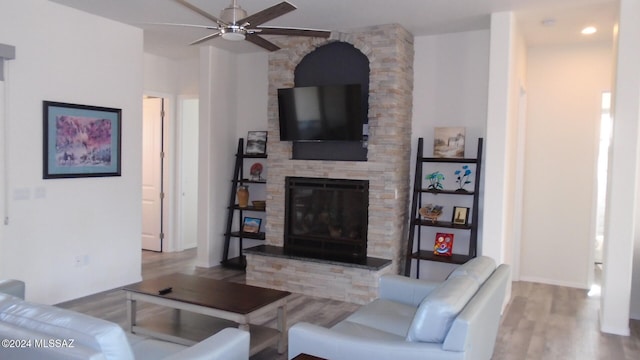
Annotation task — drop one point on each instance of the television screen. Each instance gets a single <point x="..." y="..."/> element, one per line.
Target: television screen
<point x="316" y="113"/>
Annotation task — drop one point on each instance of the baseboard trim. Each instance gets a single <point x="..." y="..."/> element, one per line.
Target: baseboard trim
<point x="554" y="282"/>
<point x="614" y="330"/>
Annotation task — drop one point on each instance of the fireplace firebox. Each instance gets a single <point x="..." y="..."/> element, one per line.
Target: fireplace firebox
<point x="326" y="218"/>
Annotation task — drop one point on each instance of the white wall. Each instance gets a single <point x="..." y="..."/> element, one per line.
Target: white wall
<point x="565" y="85"/>
<point x="70" y="56"/>
<point x="450" y="89"/>
<point x="169" y="76"/>
<point x="503" y="152"/>
<point x="217" y="144"/>
<point x="252" y="88"/>
<point x="251" y="108"/>
<point x="188" y="76"/>
<point x="498" y="162"/>
<point x="621" y="263"/>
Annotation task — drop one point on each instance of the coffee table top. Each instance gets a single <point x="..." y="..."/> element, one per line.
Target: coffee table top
<point x="217" y="294"/>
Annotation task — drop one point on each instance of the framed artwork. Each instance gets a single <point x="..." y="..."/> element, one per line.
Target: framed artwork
<point x="251" y="225"/>
<point x="448" y="142"/>
<point x="256" y="172"/>
<point x="256" y="143"/>
<point x="460" y="215"/>
<point x="80" y="141"/>
<point x="443" y="245"/>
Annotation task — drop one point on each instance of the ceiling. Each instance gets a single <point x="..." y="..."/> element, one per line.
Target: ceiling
<point x="420" y="17"/>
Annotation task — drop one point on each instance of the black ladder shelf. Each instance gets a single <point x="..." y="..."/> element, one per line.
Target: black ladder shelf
<point x="416" y="222"/>
<point x="239" y="262"/>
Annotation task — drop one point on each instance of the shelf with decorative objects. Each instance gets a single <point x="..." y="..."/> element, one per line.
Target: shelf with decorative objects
<point x="428" y="215"/>
<point x="248" y="227"/>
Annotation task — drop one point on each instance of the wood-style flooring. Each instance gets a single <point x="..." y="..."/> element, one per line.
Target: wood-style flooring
<point x="542" y="322"/>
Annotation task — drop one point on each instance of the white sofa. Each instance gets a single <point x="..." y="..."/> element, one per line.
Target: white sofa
<point x="36" y="331"/>
<point x="414" y="319"/>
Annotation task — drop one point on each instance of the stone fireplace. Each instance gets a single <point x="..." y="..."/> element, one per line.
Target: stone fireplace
<point x="389" y="49"/>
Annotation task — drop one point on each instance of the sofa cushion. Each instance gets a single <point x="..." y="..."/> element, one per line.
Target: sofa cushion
<point x="145" y="348"/>
<point x="7" y="301"/>
<point x="479" y="268"/>
<point x="38" y="352"/>
<point x="52" y="322"/>
<point x="349" y="328"/>
<point x="385" y="315"/>
<point x="438" y="310"/>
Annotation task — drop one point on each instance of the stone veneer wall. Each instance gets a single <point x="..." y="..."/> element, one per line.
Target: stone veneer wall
<point x="389" y="49"/>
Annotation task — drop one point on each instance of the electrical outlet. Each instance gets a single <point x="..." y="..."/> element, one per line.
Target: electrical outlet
<point x="81" y="260"/>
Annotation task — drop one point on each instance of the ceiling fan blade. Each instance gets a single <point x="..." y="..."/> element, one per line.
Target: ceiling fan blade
<point x="267" y="14"/>
<point x="262" y="42"/>
<point x="293" y="31"/>
<point x="205" y="38"/>
<point x="208" y="27"/>
<point x="201" y="12"/>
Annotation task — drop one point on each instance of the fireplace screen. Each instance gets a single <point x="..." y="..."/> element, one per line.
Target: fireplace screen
<point x="326" y="218"/>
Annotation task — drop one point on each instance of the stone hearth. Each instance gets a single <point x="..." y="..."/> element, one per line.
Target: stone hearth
<point x="389" y="49"/>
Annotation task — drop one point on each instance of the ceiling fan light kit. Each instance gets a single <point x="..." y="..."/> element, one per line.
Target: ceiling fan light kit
<point x="235" y="25"/>
<point x="233" y="33"/>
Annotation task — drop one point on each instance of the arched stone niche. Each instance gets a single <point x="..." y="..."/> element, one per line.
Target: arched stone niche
<point x="334" y="63"/>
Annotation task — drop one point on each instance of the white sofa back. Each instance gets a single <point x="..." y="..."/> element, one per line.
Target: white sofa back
<point x="12" y="287"/>
<point x="474" y="330"/>
<point x="38" y="332"/>
<point x="437" y="311"/>
<point x="72" y="334"/>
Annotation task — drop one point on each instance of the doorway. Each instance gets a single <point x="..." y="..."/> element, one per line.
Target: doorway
<point x="153" y="111"/>
<point x="606" y="126"/>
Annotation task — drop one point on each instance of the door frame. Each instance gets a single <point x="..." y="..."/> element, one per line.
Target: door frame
<point x="168" y="174"/>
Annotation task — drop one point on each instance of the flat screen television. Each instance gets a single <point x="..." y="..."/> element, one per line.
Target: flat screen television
<point x="321" y="113"/>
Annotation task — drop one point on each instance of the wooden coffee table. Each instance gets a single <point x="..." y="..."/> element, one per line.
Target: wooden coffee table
<point x="225" y="304"/>
<point x="307" y="357"/>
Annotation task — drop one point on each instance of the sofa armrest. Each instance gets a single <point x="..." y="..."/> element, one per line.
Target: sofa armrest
<point x="405" y="290"/>
<point x="329" y="344"/>
<point x="228" y="344"/>
<point x="12" y="287"/>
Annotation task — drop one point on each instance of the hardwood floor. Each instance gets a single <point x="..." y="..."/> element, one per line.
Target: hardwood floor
<point x="542" y="322"/>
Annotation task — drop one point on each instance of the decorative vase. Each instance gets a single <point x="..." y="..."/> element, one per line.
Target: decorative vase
<point x="243" y="196"/>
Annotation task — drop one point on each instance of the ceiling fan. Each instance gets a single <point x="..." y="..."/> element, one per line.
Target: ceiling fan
<point x="234" y="24"/>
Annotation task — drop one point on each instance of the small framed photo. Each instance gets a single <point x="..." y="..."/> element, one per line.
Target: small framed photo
<point x="80" y="140"/>
<point x="256" y="143"/>
<point x="448" y="142"/>
<point x="460" y="215"/>
<point x="251" y="225"/>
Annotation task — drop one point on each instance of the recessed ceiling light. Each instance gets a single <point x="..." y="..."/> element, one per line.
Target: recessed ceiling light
<point x="589" y="30"/>
<point x="548" y="22"/>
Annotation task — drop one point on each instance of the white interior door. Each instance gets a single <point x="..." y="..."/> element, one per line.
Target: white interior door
<point x="152" y="174"/>
<point x="189" y="173"/>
